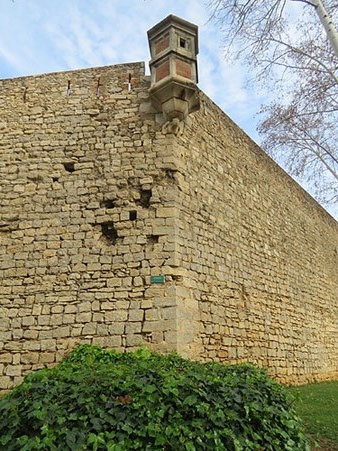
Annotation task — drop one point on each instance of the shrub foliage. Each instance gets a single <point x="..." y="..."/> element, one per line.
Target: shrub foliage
<point x="103" y="400"/>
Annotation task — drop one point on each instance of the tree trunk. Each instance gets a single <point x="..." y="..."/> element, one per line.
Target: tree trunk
<point x="326" y="21"/>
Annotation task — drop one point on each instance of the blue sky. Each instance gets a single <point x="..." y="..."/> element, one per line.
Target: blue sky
<point x="41" y="36"/>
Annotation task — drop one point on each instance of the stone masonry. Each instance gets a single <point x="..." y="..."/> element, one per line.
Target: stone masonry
<point x="121" y="230"/>
<point x="259" y="256"/>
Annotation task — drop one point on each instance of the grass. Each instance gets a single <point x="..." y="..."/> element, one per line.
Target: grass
<point x="317" y="405"/>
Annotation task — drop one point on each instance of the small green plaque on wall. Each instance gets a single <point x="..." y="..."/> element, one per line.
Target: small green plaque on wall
<point x="157" y="279"/>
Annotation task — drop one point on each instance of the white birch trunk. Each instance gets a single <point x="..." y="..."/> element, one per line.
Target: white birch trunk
<point x="327" y="23"/>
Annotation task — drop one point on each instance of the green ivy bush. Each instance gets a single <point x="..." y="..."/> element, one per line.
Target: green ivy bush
<point x="103" y="400"/>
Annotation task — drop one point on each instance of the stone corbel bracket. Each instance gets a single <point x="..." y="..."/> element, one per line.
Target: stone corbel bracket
<point x="174" y="98"/>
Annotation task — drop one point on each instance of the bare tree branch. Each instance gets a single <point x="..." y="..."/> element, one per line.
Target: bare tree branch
<point x="299" y="59"/>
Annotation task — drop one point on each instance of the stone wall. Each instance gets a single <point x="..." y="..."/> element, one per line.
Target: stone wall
<point x="86" y="217"/>
<point x="120" y="230"/>
<point x="260" y="256"/>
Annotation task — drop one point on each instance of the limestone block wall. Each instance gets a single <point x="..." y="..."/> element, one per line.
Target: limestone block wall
<point x="120" y="230"/>
<point x="258" y="254"/>
<point x="87" y="217"/>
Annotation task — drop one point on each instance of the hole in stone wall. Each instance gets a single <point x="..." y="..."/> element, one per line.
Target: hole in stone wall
<point x="98" y="86"/>
<point x="68" y="89"/>
<point x="153" y="239"/>
<point x="108" y="203"/>
<point x="133" y="215"/>
<point x="35" y="179"/>
<point x="70" y="166"/>
<point x="109" y="231"/>
<point x="55" y="179"/>
<point x="183" y="43"/>
<point x="170" y="174"/>
<point x="147" y="336"/>
<point x="145" y="196"/>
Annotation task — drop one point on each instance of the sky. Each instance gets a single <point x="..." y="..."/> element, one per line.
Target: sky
<point x="42" y="36"/>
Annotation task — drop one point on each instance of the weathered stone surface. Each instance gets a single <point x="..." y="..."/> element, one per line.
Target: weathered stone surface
<point x="98" y="202"/>
<point x="260" y="257"/>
